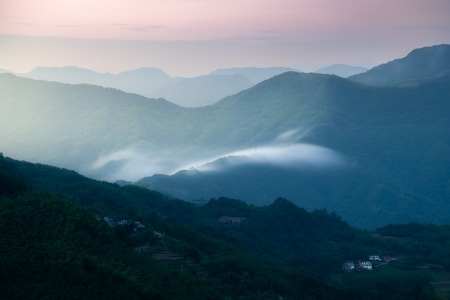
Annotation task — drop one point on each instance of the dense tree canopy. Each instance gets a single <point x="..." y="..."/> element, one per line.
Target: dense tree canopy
<point x="57" y="244"/>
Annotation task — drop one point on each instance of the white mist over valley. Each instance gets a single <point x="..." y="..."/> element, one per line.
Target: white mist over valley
<point x="317" y="139"/>
<point x="283" y="151"/>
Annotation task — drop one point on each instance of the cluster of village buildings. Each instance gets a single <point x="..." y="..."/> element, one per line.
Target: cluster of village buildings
<point x="374" y="261"/>
<point x="138" y="226"/>
<point x="349" y="266"/>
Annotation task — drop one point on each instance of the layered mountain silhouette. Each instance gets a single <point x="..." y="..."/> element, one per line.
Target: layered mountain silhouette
<point x="202" y="90"/>
<point x="255" y="75"/>
<point x="142" y="81"/>
<point x="394" y="146"/>
<point x="155" y="83"/>
<point x="341" y="70"/>
<point x="422" y="63"/>
<point x="375" y="155"/>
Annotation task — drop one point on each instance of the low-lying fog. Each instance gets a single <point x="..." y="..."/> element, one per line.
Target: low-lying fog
<point x="134" y="163"/>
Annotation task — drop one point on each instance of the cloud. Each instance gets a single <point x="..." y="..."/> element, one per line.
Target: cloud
<point x="145" y="28"/>
<point x="297" y="156"/>
<point x="285" y="151"/>
<point x="133" y="163"/>
<point x="286" y="136"/>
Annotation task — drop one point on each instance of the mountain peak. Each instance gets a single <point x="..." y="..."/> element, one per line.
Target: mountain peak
<point x="422" y="63"/>
<point x="255" y="74"/>
<point x="49" y="71"/>
<point x="341" y="70"/>
<point x="146" y="71"/>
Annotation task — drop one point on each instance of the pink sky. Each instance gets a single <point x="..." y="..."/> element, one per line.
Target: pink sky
<point x="190" y="37"/>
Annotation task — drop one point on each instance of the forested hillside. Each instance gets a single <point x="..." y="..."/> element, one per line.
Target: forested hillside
<point x="66" y="236"/>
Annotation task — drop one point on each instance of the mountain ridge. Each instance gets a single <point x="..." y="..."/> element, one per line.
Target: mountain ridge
<point x="341" y="70"/>
<point x="395" y="138"/>
<point x="155" y="83"/>
<point x="422" y="63"/>
<point x="202" y="90"/>
<point x="412" y="109"/>
<point x="255" y="74"/>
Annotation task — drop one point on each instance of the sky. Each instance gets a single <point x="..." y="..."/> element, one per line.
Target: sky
<point x="194" y="37"/>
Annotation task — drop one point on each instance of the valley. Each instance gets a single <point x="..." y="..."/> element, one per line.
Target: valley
<point x="374" y="154"/>
<point x="219" y="150"/>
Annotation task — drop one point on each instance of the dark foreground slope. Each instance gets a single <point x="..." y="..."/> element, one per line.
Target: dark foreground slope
<point x="54" y="246"/>
<point x="51" y="249"/>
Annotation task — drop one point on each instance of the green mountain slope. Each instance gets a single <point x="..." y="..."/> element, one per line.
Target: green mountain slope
<point x="427" y="62"/>
<point x="54" y="247"/>
<point x="72" y="125"/>
<point x="51" y="249"/>
<point x="82" y="126"/>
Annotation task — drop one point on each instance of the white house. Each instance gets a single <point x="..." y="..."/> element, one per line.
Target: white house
<point x="348" y="266"/>
<point x="374" y="258"/>
<point x="365" y="265"/>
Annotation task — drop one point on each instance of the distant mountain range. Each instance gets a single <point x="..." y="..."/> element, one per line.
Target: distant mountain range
<point x="375" y="155"/>
<point x="141" y="81"/>
<point x="188" y="92"/>
<point x="202" y="90"/>
<point x="255" y="75"/>
<point x="155" y="83"/>
<point x="341" y="70"/>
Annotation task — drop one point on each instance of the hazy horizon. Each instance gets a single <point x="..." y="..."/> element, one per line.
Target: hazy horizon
<point x="191" y="38"/>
